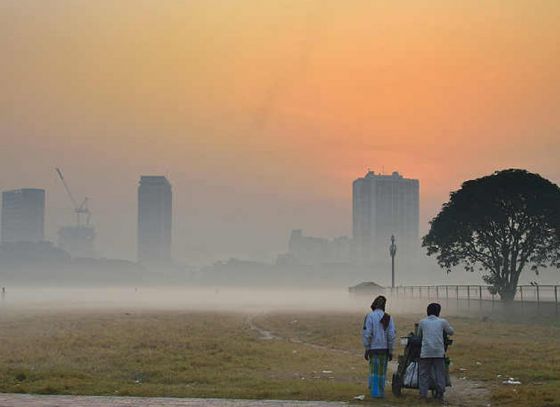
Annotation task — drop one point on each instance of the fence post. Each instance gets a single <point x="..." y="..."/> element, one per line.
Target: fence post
<point x="522" y="301"/>
<point x="480" y="296"/>
<point x="468" y="297"/>
<point x="556" y="298"/>
<point x="447" y="292"/>
<point x="437" y="292"/>
<point x="538" y="298"/>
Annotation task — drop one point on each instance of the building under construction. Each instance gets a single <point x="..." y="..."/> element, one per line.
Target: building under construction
<point x="79" y="239"/>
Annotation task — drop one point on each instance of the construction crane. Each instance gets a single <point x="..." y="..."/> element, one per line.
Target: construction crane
<point x="82" y="209"/>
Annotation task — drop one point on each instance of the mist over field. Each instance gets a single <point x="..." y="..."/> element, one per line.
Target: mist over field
<point x="189" y="298"/>
<point x="241" y="300"/>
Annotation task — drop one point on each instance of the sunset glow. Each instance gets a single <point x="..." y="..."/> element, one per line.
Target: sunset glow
<point x="261" y="113"/>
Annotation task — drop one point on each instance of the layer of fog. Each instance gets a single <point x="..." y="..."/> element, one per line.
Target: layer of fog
<point x="26" y="300"/>
<point x="223" y="299"/>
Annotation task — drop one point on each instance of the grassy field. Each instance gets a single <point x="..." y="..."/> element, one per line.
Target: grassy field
<point x="164" y="354"/>
<point x="198" y="354"/>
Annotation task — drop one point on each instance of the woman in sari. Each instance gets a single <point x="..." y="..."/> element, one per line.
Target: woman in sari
<point x="378" y="336"/>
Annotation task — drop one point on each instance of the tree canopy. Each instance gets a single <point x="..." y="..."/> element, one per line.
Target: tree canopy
<point x="500" y="224"/>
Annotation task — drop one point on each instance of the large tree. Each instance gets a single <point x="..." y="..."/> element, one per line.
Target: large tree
<point x="499" y="224"/>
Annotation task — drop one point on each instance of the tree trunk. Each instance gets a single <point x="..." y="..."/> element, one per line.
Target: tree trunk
<point x="507" y="294"/>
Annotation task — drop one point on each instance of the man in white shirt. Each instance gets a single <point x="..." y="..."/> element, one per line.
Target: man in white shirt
<point x="432" y="356"/>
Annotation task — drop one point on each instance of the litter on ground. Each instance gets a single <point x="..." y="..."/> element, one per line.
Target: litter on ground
<point x="511" y="380"/>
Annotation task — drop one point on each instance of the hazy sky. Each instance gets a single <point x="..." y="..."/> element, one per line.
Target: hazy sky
<point x="261" y="113"/>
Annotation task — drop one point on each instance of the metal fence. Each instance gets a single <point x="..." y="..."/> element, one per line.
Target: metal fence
<point x="540" y="298"/>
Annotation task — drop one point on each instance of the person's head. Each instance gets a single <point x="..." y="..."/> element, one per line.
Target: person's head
<point x="434" y="309"/>
<point x="379" y="303"/>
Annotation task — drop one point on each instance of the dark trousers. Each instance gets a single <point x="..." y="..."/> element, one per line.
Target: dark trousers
<point x="432" y="374"/>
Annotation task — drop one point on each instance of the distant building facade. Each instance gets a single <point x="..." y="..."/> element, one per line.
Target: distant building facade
<point x="23" y="215"/>
<point x="78" y="240"/>
<point x="384" y="205"/>
<point x="154" y="220"/>
<point x="307" y="250"/>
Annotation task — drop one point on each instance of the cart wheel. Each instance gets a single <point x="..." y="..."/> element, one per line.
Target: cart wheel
<point x="396" y="385"/>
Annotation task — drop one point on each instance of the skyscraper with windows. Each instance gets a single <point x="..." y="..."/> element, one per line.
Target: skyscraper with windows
<point x="154" y="220"/>
<point x="23" y="215"/>
<point x="384" y="205"/>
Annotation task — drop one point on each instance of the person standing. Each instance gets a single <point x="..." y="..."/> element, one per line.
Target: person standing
<point x="432" y="355"/>
<point x="378" y="337"/>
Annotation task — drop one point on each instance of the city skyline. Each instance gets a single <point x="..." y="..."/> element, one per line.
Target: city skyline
<point x="154" y="217"/>
<point x="378" y="211"/>
<point x="274" y="105"/>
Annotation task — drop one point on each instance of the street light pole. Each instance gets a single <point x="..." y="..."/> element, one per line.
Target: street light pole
<point x="393" y="252"/>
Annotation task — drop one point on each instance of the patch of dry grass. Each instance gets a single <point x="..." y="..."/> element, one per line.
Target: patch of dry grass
<point x="164" y="354"/>
<point x="527" y="352"/>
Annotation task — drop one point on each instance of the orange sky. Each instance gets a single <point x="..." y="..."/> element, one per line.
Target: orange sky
<point x="263" y="112"/>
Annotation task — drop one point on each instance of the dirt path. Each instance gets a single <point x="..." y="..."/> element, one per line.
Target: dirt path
<point x="31" y="400"/>
<point x="464" y="392"/>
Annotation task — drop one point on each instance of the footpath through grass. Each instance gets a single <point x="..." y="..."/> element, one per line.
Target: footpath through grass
<point x="198" y="354"/>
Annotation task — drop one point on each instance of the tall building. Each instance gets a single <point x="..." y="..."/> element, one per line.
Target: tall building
<point x="23" y="215"/>
<point x="154" y="220"/>
<point x="385" y="205"/>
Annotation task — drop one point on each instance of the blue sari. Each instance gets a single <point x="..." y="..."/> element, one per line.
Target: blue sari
<point x="377" y="373"/>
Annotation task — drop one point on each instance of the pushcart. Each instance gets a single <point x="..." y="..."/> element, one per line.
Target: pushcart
<point x="412" y="347"/>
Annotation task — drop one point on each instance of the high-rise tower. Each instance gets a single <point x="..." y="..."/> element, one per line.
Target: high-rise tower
<point x="23" y="215"/>
<point x="154" y="220"/>
<point x="384" y="205"/>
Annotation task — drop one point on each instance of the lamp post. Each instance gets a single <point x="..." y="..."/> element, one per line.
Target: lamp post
<point x="393" y="252"/>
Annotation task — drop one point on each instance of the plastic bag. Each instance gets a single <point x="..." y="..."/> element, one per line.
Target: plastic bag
<point x="411" y="375"/>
